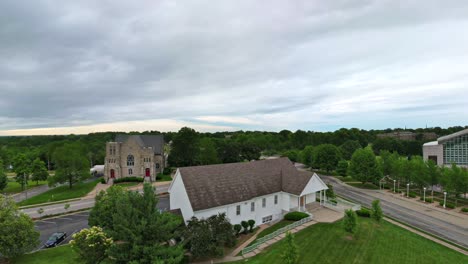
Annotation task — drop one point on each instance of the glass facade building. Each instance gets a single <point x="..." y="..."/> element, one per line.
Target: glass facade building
<point x="456" y="150"/>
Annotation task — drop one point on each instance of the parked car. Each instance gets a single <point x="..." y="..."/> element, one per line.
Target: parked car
<point x="55" y="239"/>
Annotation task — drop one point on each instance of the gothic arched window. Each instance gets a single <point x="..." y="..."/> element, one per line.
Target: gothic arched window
<point x="130" y="160"/>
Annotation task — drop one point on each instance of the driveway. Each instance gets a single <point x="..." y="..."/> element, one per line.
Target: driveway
<point x="450" y="225"/>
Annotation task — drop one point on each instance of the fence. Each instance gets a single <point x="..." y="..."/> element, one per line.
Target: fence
<point x="275" y="234"/>
<point x="341" y="205"/>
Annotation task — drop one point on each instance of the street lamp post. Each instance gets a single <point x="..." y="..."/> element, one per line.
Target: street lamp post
<point x="394" y="188"/>
<point x="424" y="194"/>
<point x="445" y="198"/>
<point x="407" y="190"/>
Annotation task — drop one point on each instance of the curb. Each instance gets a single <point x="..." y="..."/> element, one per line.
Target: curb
<point x="50" y="203"/>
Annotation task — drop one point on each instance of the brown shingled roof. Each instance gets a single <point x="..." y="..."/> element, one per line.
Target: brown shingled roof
<point x="216" y="185"/>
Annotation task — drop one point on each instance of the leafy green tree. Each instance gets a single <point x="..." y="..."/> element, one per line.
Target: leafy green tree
<point x="38" y="171"/>
<point x="342" y="167"/>
<point x="17" y="233"/>
<point x="141" y="232"/>
<point x="292" y="155"/>
<point x="330" y="192"/>
<point x="347" y="149"/>
<point x="363" y="166"/>
<point x="207" y="154"/>
<point x="350" y="221"/>
<point x="433" y="175"/>
<point x="72" y="166"/>
<point x="91" y="244"/>
<point x="376" y="210"/>
<point x="22" y="169"/>
<point x="306" y="155"/>
<point x="388" y="163"/>
<point x="3" y="177"/>
<point x="326" y="156"/>
<point x="208" y="237"/>
<point x="290" y="252"/>
<point x="185" y="148"/>
<point x="454" y="181"/>
<point x="418" y="172"/>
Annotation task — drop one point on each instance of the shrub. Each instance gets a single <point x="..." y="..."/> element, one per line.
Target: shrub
<point x="447" y="204"/>
<point x="91" y="244"/>
<point x="159" y="176"/>
<point x="251" y="224"/>
<point x="350" y="221"/>
<point x="329" y="192"/>
<point x="103" y="181"/>
<point x="167" y="171"/>
<point x="295" y="216"/>
<point x="428" y="200"/>
<point x="363" y="212"/>
<point x="129" y="179"/>
<point x="412" y="195"/>
<point x="376" y="210"/>
<point x="237" y="228"/>
<point x="464" y="209"/>
<point x="245" y="225"/>
<point x="333" y="201"/>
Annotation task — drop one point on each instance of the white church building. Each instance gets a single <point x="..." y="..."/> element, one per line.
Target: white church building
<point x="262" y="190"/>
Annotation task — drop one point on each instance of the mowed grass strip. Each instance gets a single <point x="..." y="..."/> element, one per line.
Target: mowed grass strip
<point x="272" y="229"/>
<point x="14" y="187"/>
<point x="61" y="193"/>
<point x="372" y="243"/>
<point x="57" y="255"/>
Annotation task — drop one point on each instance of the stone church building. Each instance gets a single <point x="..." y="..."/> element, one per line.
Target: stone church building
<point x="135" y="156"/>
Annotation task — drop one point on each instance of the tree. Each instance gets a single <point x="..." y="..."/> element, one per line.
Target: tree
<point x="22" y="170"/>
<point x="326" y="156"/>
<point x="208" y="237"/>
<point x="376" y="210"/>
<point x="347" y="149"/>
<point x="433" y="173"/>
<point x="292" y="155"/>
<point x="39" y="171"/>
<point x="237" y="228"/>
<point x="185" y="148"/>
<point x="342" y="167"/>
<point x="17" y="233"/>
<point x="418" y="172"/>
<point x="251" y="224"/>
<point x="207" y="154"/>
<point x="91" y="244"/>
<point x="363" y="166"/>
<point x="140" y="231"/>
<point x="454" y="181"/>
<point x="329" y="192"/>
<point x="350" y="221"/>
<point x="306" y="155"/>
<point x="71" y="164"/>
<point x="290" y="253"/>
<point x="3" y="177"/>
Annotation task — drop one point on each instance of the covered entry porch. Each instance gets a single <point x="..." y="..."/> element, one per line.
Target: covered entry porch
<point x="314" y="190"/>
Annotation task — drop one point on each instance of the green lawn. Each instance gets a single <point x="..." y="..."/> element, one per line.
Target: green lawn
<point x="61" y="193"/>
<point x="373" y="243"/>
<point x="345" y="179"/>
<point x="14" y="187"/>
<point x="163" y="177"/>
<point x="272" y="229"/>
<point x="57" y="255"/>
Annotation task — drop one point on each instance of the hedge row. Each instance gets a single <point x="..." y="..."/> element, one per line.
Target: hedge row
<point x="465" y="209"/>
<point x="364" y="212"/>
<point x="129" y="179"/>
<point x="295" y="216"/>
<point x="428" y="200"/>
<point x="448" y="205"/>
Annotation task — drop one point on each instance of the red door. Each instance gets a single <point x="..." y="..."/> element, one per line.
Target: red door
<point x="147" y="174"/>
<point x="112" y="174"/>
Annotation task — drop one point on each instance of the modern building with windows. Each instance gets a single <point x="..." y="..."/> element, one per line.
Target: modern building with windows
<point x="448" y="149"/>
<point x="135" y="156"/>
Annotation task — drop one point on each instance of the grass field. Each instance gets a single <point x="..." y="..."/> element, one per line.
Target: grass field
<point x="14" y="187"/>
<point x="61" y="193"/>
<point x="57" y="255"/>
<point x="373" y="243"/>
<point x="272" y="229"/>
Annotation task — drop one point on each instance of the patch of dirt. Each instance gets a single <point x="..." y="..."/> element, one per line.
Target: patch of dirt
<point x="350" y="238"/>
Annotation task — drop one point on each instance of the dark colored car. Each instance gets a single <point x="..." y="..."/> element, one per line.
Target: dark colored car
<point x="55" y="239"/>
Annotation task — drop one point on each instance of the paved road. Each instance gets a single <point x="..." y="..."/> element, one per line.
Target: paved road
<point x="74" y="222"/>
<point x="75" y="205"/>
<point x="454" y="231"/>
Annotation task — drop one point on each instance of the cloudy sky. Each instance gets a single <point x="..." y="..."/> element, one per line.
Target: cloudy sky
<point x="85" y="66"/>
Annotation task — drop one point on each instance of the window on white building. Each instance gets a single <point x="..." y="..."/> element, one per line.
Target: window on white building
<point x="252" y="206"/>
<point x="238" y="210"/>
<point x="264" y="202"/>
<point x="276" y="199"/>
<point x="130" y="171"/>
<point x="267" y="219"/>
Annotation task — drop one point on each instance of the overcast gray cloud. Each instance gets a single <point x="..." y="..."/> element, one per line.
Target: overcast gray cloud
<point x="82" y="66"/>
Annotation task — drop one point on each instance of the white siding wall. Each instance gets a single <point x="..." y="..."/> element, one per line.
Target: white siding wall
<point x="179" y="198"/>
<point x="310" y="198"/>
<point x="270" y="209"/>
<point x="285" y="203"/>
<point x="293" y="201"/>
